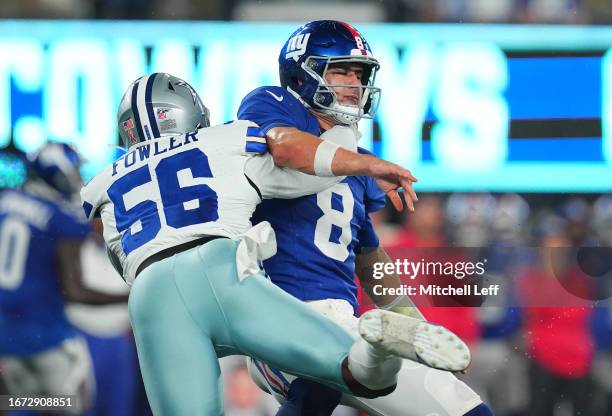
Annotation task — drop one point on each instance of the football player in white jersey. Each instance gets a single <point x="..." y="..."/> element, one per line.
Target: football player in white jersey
<point x="176" y="210"/>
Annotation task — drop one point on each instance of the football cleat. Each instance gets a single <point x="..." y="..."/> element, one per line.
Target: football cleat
<point x="414" y="339"/>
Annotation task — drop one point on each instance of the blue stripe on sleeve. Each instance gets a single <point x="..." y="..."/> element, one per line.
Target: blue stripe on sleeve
<point x="256" y="147"/>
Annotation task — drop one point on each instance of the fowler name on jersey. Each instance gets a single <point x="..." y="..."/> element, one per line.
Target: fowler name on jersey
<point x="143" y="152"/>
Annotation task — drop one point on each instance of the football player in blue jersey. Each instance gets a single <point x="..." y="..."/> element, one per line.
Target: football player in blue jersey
<point x="327" y="74"/>
<point x="41" y="231"/>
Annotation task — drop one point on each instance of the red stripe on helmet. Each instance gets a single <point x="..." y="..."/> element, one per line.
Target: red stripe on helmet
<point x="351" y="29"/>
<point x="356" y="35"/>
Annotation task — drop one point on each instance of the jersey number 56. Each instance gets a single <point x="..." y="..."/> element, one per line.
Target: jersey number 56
<point x="182" y="205"/>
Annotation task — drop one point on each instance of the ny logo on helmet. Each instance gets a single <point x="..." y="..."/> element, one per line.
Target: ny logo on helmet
<point x="296" y="46"/>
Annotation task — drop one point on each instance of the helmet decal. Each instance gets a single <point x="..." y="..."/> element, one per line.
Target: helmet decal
<point x="128" y="127"/>
<point x="143" y="108"/>
<point x="297" y="46"/>
<point x="361" y="50"/>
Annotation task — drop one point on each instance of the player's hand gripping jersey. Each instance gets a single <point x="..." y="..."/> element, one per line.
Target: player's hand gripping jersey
<point x="317" y="235"/>
<point x="173" y="190"/>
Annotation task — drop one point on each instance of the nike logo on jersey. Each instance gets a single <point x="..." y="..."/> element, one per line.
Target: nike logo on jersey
<point x="278" y="98"/>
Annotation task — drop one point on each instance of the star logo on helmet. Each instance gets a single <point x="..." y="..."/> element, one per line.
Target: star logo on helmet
<point x="191" y="90"/>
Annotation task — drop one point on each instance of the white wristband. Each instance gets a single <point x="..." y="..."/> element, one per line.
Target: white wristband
<point x="323" y="159"/>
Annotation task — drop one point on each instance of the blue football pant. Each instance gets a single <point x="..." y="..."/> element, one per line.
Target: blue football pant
<point x="191" y="308"/>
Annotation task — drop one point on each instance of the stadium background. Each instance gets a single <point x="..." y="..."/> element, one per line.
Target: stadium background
<point x="502" y="109"/>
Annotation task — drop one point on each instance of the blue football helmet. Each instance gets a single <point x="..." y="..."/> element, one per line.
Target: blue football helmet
<point x="57" y="165"/>
<point x="306" y="57"/>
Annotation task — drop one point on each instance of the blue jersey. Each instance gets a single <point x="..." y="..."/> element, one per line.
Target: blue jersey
<point x="317" y="235"/>
<point x="32" y="315"/>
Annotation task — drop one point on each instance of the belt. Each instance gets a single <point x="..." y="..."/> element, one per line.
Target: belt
<point x="171" y="251"/>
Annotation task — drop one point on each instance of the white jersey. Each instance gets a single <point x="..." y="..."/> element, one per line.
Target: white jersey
<point x="173" y="190"/>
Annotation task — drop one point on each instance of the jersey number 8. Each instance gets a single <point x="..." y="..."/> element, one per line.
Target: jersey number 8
<point x="335" y="223"/>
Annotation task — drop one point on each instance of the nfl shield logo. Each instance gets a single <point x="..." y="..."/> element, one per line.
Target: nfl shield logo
<point x="161" y="113"/>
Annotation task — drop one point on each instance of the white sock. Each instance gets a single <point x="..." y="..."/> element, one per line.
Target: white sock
<point x="372" y="367"/>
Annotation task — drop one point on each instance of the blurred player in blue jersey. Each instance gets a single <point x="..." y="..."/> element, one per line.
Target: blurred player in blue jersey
<point x="176" y="210"/>
<point x="41" y="231"/>
<point x="327" y="73"/>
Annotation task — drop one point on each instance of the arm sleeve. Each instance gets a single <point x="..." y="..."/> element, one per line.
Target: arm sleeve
<point x="90" y="197"/>
<point x="367" y="236"/>
<point x="263" y="107"/>
<point x="275" y="182"/>
<point x="255" y="141"/>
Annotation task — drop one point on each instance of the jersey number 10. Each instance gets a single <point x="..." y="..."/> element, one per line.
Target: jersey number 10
<point x="14" y="244"/>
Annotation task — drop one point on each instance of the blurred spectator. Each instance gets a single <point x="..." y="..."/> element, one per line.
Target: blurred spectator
<point x="601" y="222"/>
<point x="300" y="11"/>
<point x="46" y="9"/>
<point x="408" y="10"/>
<point x="122" y="9"/>
<point x="242" y="396"/>
<point x="602" y="368"/>
<point x="510" y="220"/>
<point x="599" y="11"/>
<point x="558" y="338"/>
<point x="386" y="230"/>
<point x="422" y="236"/>
<point x="479" y="11"/>
<point x="601" y="226"/>
<point x="498" y="370"/>
<point x="471" y="218"/>
<point x="424" y="227"/>
<point x="576" y="212"/>
<point x="551" y="11"/>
